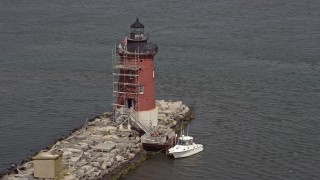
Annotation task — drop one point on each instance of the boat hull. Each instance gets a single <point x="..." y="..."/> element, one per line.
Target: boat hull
<point x="155" y="147"/>
<point x="186" y="152"/>
<point x="159" y="147"/>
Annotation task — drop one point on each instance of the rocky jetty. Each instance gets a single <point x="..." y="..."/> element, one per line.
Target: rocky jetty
<point x="172" y="115"/>
<point x="101" y="149"/>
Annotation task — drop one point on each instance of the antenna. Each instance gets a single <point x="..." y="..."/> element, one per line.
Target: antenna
<point x="188" y="130"/>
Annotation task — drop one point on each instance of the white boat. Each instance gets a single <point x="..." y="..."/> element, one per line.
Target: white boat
<point x="185" y="147"/>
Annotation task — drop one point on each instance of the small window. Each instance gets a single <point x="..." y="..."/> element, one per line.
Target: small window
<point x="153" y="74"/>
<point x="141" y="89"/>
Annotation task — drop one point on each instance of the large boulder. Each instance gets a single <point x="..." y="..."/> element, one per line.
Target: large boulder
<point x="80" y="173"/>
<point x="161" y="117"/>
<point x="119" y="158"/>
<point x="115" y="151"/>
<point x="109" y="163"/>
<point x="105" y="147"/>
<point x="95" y="164"/>
<point x="135" y="150"/>
<point x="131" y="155"/>
<point x="111" y="128"/>
<point x="124" y="145"/>
<point x="86" y="168"/>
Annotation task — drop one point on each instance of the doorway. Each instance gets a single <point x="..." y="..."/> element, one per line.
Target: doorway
<point x="129" y="103"/>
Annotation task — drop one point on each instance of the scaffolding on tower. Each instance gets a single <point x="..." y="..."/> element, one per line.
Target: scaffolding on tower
<point x="126" y="86"/>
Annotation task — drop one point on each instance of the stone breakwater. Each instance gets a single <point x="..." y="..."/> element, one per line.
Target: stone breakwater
<point x="173" y="115"/>
<point x="100" y="150"/>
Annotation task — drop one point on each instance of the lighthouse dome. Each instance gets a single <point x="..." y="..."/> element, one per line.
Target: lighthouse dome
<point x="137" y="24"/>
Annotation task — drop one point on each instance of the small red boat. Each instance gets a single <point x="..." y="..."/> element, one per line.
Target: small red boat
<point x="158" y="142"/>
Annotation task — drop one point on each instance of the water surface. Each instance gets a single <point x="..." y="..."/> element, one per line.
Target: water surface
<point x="250" y="70"/>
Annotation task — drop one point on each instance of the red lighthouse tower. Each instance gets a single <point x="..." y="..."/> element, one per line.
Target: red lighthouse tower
<point x="133" y="79"/>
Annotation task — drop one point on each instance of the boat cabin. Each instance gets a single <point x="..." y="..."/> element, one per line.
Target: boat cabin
<point x="185" y="141"/>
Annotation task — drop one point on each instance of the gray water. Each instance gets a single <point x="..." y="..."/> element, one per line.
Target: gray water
<point x="250" y="70"/>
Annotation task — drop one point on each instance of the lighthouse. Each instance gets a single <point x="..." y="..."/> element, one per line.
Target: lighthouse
<point x="134" y="101"/>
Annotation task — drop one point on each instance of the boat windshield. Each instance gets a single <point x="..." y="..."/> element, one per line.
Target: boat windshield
<point x="184" y="142"/>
